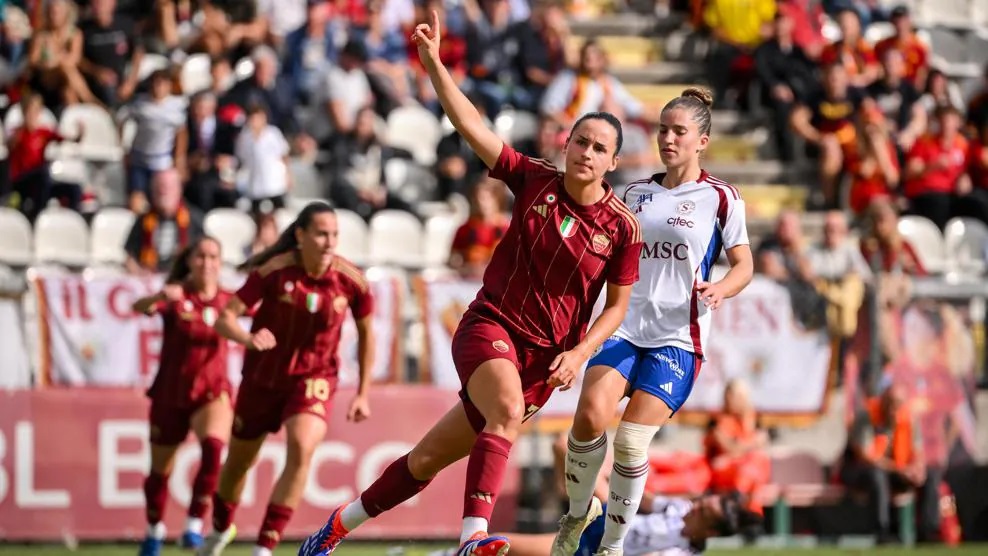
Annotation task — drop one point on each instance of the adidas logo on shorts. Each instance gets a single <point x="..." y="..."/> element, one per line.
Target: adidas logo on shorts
<point x="667" y="388"/>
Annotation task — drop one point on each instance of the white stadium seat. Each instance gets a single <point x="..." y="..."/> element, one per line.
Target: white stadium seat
<point x="353" y="236"/>
<point x="396" y="239"/>
<point x="61" y="237"/>
<point x="966" y="242"/>
<point x="196" y="76"/>
<point x="100" y="138"/>
<point x="151" y="63"/>
<point x="439" y="233"/>
<point x="416" y="130"/>
<point x="235" y="231"/>
<point x="110" y="229"/>
<point x="926" y="239"/>
<point x="514" y="126"/>
<point x="15" y="238"/>
<point x="284" y="217"/>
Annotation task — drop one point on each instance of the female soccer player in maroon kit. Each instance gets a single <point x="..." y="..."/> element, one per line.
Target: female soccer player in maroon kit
<point x="191" y="389"/>
<point x="301" y="289"/>
<point x="526" y="333"/>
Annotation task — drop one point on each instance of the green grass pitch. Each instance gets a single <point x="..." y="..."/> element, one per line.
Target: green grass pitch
<point x="408" y="549"/>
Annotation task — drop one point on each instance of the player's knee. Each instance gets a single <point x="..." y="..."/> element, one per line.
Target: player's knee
<point x="507" y="411"/>
<point x="632" y="441"/>
<point x="592" y="419"/>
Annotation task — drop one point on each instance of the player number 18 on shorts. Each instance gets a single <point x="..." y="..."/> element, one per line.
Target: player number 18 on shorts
<point x="317" y="388"/>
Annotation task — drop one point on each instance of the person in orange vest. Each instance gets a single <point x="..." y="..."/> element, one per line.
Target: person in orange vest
<point x="735" y="446"/>
<point x="885" y="452"/>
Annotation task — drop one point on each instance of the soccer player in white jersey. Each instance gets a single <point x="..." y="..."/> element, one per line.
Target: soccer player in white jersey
<point x="687" y="217"/>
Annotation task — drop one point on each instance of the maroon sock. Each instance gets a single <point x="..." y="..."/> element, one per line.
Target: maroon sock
<point x="207" y="477"/>
<point x="222" y="513"/>
<point x="393" y="487"/>
<point x="155" y="496"/>
<point x="485" y="472"/>
<point x="275" y="521"/>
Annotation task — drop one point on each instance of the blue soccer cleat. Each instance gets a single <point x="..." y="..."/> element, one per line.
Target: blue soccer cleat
<point x="324" y="541"/>
<point x="191" y="540"/>
<point x="150" y="547"/>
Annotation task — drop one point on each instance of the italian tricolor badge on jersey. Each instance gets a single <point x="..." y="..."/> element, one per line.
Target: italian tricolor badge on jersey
<point x="568" y="226"/>
<point x="312" y="302"/>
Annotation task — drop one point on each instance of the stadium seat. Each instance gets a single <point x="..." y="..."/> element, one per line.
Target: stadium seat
<point x="15" y="119"/>
<point x="416" y="130"/>
<point x="15" y="238"/>
<point x="100" y="138"/>
<point x="235" y="231"/>
<point x="306" y="180"/>
<point x="151" y="63"/>
<point x="926" y="239"/>
<point x="195" y="75"/>
<point x="284" y="217"/>
<point x="243" y="69"/>
<point x="396" y="238"/>
<point x="439" y="233"/>
<point x="966" y="240"/>
<point x="128" y="130"/>
<point x="514" y="126"/>
<point x="110" y="228"/>
<point x="353" y="237"/>
<point x="69" y="170"/>
<point x="61" y="237"/>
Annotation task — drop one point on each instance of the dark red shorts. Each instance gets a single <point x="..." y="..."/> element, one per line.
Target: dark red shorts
<point x="480" y="338"/>
<point x="262" y="408"/>
<point x="170" y="423"/>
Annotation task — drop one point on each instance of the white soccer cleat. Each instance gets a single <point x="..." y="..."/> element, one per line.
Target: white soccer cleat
<point x="609" y="552"/>
<point x="217" y="541"/>
<point x="571" y="528"/>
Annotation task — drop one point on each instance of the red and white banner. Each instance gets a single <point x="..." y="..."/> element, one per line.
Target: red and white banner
<point x="72" y="462"/>
<point x="16" y="371"/>
<point x="88" y="335"/>
<point x="754" y="336"/>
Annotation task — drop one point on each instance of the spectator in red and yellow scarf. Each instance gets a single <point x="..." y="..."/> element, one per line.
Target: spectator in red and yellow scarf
<point x="165" y="229"/>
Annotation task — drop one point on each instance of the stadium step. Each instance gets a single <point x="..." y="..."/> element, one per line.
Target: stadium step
<point x="623" y="24"/>
<point x="622" y="50"/>
<point x="658" y="73"/>
<point x="766" y="201"/>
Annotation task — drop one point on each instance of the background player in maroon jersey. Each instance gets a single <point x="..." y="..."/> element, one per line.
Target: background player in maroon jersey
<point x="191" y="389"/>
<point x="301" y="289"/>
<point x="526" y="332"/>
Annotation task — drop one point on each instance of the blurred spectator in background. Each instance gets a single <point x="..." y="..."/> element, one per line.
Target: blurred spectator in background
<point x="852" y="50"/>
<point x="639" y="157"/>
<point x="784" y="258"/>
<point x="30" y="175"/>
<point x="56" y="49"/>
<point x="312" y="49"/>
<point x="266" y="234"/>
<point x="281" y="17"/>
<point x="359" y="158"/>
<point x="475" y="240"/>
<point x="348" y="88"/>
<point x="883" y="247"/>
<point x="548" y="143"/>
<point x="940" y="91"/>
<point x="14" y="45"/>
<point x="898" y="101"/>
<point x="543" y="47"/>
<point x="915" y="54"/>
<point x="737" y="28"/>
<point x="735" y="445"/>
<point x="977" y="108"/>
<point x="807" y="18"/>
<point x="111" y="54"/>
<point x="221" y="75"/>
<point x="210" y="178"/>
<point x="452" y="53"/>
<point x="161" y="139"/>
<point x="825" y="120"/>
<point x="935" y="169"/>
<point x="868" y="11"/>
<point x="494" y="56"/>
<point x="588" y="88"/>
<point x="884" y="454"/>
<point x="457" y="166"/>
<point x="840" y="273"/>
<point x="872" y="164"/>
<point x="787" y="74"/>
<point x="167" y="227"/>
<point x="976" y="203"/>
<point x="268" y="90"/>
<point x="386" y="64"/>
<point x="263" y="155"/>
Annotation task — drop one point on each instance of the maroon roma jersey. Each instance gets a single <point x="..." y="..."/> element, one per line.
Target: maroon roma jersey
<point x="305" y="314"/>
<point x="547" y="272"/>
<point x="193" y="364"/>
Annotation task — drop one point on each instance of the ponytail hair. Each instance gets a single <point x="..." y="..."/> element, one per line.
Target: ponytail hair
<point x="180" y="270"/>
<point x="287" y="241"/>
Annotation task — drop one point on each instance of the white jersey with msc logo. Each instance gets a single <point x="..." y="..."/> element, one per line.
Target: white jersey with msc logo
<point x="684" y="230"/>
